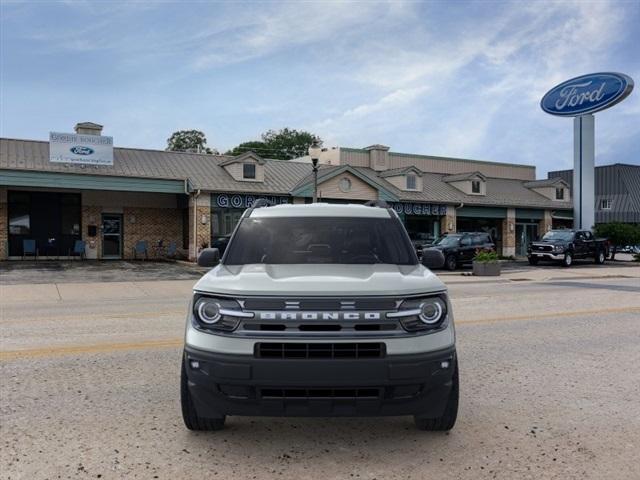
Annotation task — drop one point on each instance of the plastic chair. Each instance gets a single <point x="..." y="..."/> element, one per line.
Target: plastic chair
<point x="29" y="248"/>
<point x="78" y="249"/>
<point x="142" y="249"/>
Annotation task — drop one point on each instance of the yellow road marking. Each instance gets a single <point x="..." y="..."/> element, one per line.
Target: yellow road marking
<point x="547" y="315"/>
<point x="98" y="348"/>
<point x="8" y="355"/>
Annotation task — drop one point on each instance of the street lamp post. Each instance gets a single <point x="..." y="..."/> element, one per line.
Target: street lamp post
<point x="314" y="153"/>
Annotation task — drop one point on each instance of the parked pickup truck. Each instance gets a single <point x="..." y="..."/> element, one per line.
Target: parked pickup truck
<point x="565" y="246"/>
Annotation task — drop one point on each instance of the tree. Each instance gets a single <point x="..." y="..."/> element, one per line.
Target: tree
<point x="188" y="141"/>
<point x="255" y="146"/>
<point x="619" y="234"/>
<point x="283" y="144"/>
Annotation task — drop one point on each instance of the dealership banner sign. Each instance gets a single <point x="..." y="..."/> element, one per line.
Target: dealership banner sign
<point x="80" y="149"/>
<point x="224" y="200"/>
<point x="419" y="208"/>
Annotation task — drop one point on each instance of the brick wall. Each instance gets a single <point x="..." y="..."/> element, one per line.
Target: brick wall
<point x="448" y="222"/>
<point x="546" y="223"/>
<point x="202" y="207"/>
<point x="509" y="233"/>
<point x="91" y="215"/>
<point x="151" y="225"/>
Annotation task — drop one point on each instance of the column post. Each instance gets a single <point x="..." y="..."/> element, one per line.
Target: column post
<point x="199" y="223"/>
<point x="509" y="233"/>
<point x="448" y="221"/>
<point x="583" y="172"/>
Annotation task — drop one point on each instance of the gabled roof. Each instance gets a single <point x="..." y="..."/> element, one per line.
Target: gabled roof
<point x="459" y="177"/>
<point x="547" y="182"/>
<point x="305" y="186"/>
<point x="206" y="172"/>
<point x="202" y="170"/>
<point x="243" y="157"/>
<point x="396" y="172"/>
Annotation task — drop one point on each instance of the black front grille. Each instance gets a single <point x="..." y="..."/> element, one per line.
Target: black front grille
<point x="310" y="393"/>
<point x="320" y="350"/>
<point x="320" y="304"/>
<point x="543" y="248"/>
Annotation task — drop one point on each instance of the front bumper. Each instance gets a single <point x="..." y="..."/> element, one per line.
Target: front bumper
<point x="547" y="255"/>
<point x="224" y="384"/>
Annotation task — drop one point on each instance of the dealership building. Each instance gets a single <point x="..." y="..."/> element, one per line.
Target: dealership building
<point x="79" y="187"/>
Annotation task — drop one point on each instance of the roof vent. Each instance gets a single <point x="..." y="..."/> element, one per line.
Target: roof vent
<point x="88" y="128"/>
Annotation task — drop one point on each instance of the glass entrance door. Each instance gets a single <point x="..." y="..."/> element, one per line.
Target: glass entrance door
<point x="111" y="235"/>
<point x="525" y="234"/>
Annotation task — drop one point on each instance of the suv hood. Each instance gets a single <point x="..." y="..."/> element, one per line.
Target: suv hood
<point x="319" y="280"/>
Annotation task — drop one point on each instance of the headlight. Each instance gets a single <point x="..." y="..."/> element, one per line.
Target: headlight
<point x="208" y="311"/>
<point x="422" y="313"/>
<point x="217" y="313"/>
<point x="558" y="248"/>
<point x="431" y="311"/>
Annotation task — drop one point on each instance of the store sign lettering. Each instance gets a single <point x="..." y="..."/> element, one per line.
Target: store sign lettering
<point x="244" y="201"/>
<point x="587" y="94"/>
<point x="419" y="209"/>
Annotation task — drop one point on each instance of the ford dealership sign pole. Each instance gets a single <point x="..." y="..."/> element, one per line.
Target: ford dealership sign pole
<point x="580" y="97"/>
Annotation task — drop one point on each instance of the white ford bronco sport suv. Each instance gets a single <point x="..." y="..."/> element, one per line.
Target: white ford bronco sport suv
<point x="319" y="310"/>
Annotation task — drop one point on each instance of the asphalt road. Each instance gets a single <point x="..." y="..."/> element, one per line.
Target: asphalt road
<point x="549" y="389"/>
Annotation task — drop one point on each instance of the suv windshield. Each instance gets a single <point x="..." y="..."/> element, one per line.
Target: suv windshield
<point x="448" y="241"/>
<point x="558" y="235"/>
<point x="313" y="240"/>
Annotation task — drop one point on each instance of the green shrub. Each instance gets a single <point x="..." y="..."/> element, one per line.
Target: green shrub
<point x="485" y="257"/>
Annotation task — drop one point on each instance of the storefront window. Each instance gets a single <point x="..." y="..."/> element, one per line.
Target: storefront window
<point x="19" y="214"/>
<point x="70" y="214"/>
<point x="51" y="219"/>
<point x="225" y="220"/>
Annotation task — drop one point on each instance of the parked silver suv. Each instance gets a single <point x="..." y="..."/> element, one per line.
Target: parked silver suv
<point x="319" y="310"/>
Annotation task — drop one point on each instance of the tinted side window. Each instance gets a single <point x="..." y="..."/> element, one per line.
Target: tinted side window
<point x="465" y="242"/>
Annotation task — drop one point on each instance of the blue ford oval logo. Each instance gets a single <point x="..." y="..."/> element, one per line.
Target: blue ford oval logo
<point x="587" y="94"/>
<point x="79" y="150"/>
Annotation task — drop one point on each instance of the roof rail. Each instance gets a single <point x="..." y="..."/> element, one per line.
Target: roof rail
<point x="259" y="203"/>
<point x="377" y="203"/>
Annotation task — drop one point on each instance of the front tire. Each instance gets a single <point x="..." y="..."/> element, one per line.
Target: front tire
<point x="448" y="418"/>
<point x="451" y="263"/>
<point x="600" y="257"/>
<point x="567" y="261"/>
<point x="189" y="415"/>
<point x="533" y="261"/>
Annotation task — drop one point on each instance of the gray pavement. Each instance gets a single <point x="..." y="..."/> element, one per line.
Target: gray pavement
<point x="549" y="388"/>
<point x="86" y="271"/>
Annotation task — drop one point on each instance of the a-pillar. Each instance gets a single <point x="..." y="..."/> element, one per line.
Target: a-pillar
<point x="509" y="233"/>
<point x="199" y="223"/>
<point x="448" y="222"/>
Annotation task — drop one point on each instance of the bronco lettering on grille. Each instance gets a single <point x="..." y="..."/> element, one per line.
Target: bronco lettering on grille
<point x="319" y="315"/>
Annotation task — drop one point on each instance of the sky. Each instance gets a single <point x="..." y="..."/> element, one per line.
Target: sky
<point x="447" y="78"/>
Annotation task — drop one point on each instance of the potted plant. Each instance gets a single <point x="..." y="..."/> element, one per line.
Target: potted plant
<point x="486" y="264"/>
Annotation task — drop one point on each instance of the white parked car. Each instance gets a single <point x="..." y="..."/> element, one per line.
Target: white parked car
<point x="319" y="310"/>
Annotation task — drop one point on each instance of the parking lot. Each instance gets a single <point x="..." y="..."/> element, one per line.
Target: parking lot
<point x="90" y="360"/>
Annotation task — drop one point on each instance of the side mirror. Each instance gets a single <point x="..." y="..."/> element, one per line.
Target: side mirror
<point x="209" y="257"/>
<point x="432" y="258"/>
